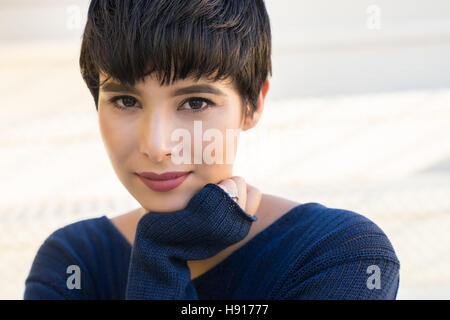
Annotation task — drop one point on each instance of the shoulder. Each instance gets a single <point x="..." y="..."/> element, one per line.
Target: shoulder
<point x="77" y="247"/>
<point x="330" y="244"/>
<point x="82" y="239"/>
<point x="323" y="229"/>
<point x="314" y="221"/>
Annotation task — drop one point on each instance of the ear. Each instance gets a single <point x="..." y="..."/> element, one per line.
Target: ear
<point x="252" y="120"/>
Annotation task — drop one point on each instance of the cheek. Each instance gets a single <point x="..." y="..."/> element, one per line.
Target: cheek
<point x="116" y="137"/>
<point x="227" y="131"/>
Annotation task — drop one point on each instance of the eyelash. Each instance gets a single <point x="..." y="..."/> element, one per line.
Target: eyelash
<point x="209" y="103"/>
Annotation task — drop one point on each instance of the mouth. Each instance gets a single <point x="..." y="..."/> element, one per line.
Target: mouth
<point x="163" y="182"/>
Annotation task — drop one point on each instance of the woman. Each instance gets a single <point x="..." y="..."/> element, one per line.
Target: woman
<point x="170" y="81"/>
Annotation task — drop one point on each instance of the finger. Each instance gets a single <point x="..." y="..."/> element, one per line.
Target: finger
<point x="253" y="199"/>
<point x="242" y="190"/>
<point x="228" y="186"/>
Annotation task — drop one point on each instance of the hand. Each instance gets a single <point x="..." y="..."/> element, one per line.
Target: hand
<point x="249" y="196"/>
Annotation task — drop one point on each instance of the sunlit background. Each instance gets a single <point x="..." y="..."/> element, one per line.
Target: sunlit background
<point x="357" y="117"/>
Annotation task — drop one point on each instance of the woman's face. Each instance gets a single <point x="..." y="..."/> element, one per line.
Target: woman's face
<point x="142" y="136"/>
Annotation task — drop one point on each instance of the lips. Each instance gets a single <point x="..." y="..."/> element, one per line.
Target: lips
<point x="163" y="182"/>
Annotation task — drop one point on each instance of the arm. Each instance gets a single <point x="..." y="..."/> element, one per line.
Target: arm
<point x="211" y="222"/>
<point x="348" y="280"/>
<point x="355" y="261"/>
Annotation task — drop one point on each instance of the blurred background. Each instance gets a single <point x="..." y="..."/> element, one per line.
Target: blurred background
<point x="357" y="117"/>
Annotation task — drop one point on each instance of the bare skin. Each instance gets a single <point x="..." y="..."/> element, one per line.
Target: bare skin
<point x="267" y="208"/>
<point x="137" y="138"/>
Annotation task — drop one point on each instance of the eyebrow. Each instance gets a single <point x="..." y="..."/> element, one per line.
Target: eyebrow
<point x="197" y="88"/>
<point x="116" y="87"/>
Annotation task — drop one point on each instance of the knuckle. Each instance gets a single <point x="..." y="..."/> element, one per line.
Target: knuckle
<point x="230" y="185"/>
<point x="223" y="187"/>
<point x="233" y="183"/>
<point x="227" y="182"/>
<point x="238" y="179"/>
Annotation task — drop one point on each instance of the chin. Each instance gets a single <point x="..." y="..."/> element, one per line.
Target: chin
<point x="166" y="203"/>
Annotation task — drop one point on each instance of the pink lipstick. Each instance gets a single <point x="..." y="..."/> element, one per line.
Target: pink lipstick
<point x="163" y="182"/>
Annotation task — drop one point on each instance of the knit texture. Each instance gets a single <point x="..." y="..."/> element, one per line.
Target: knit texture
<point x="211" y="222"/>
<point x="310" y="252"/>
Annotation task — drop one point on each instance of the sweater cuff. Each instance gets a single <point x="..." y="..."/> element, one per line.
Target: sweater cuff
<point x="211" y="222"/>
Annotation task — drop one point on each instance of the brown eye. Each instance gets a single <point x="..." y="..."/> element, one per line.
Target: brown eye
<point x="196" y="104"/>
<point x="128" y="101"/>
<point x="123" y="102"/>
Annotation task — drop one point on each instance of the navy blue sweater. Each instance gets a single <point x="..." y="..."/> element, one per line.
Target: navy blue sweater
<point x="310" y="252"/>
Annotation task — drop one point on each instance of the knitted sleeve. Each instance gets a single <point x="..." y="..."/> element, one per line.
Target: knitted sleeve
<point x="211" y="222"/>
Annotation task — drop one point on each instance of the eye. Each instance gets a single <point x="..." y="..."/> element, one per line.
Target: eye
<point x="196" y="104"/>
<point x="126" y="102"/>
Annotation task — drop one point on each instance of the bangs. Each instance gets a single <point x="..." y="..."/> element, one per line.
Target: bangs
<point x="129" y="40"/>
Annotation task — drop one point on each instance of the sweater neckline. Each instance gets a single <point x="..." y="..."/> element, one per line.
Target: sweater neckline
<point x="252" y="242"/>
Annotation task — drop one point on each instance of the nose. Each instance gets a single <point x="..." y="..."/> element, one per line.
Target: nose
<point x="154" y="136"/>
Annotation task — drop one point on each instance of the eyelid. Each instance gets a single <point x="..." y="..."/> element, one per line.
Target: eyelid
<point x="113" y="100"/>
<point x="209" y="103"/>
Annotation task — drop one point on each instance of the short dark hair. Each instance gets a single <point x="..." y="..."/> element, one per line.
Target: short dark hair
<point x="175" y="39"/>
